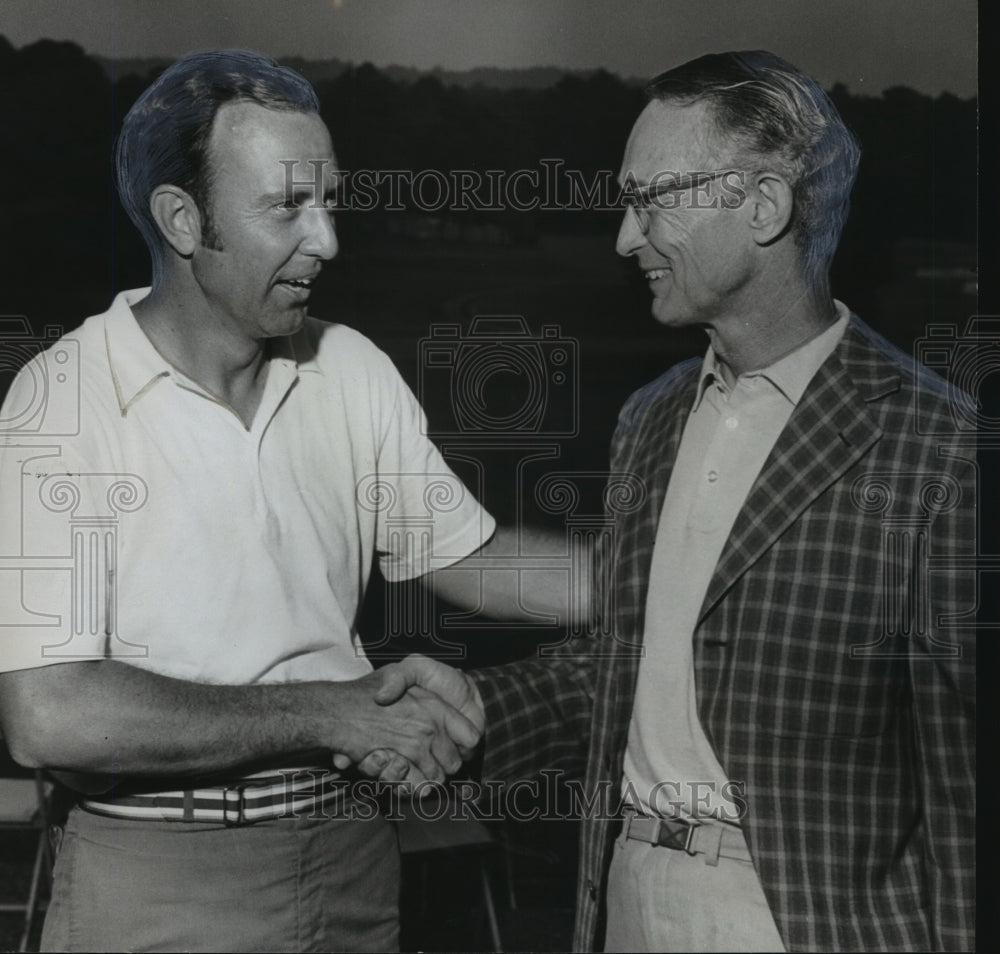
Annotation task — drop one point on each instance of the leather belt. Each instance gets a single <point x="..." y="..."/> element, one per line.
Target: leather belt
<point x="294" y="793"/>
<point x="707" y="837"/>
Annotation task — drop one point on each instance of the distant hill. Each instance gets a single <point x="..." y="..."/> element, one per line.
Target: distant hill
<point x="537" y="77"/>
<point x="115" y="69"/>
<point x="316" y="71"/>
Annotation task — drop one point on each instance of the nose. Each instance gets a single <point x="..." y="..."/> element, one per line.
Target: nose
<point x="320" y="238"/>
<point x="630" y="237"/>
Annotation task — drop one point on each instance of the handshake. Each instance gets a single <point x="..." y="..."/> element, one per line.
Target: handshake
<point x="413" y="721"/>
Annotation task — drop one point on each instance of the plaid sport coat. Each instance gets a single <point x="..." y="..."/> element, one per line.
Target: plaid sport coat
<point x="834" y="659"/>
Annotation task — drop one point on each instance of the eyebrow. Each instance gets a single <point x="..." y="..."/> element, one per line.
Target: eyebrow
<point x="632" y="189"/>
<point x="631" y="180"/>
<point x="298" y="195"/>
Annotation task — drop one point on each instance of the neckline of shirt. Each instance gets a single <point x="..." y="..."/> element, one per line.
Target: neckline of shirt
<point x="137" y="366"/>
<point x="791" y="373"/>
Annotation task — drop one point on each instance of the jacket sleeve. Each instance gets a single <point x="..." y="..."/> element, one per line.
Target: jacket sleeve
<point x="538" y="714"/>
<point x="943" y="680"/>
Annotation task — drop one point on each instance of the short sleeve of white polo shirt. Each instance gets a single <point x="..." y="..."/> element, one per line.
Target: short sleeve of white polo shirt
<point x="53" y="552"/>
<point x="426" y="518"/>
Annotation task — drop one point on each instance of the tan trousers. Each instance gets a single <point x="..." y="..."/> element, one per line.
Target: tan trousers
<point x="665" y="900"/>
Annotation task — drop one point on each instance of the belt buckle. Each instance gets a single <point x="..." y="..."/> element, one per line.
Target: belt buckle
<point x="240" y="818"/>
<point x="669" y="839"/>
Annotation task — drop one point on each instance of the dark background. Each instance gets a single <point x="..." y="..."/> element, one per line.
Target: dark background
<point x="70" y="247"/>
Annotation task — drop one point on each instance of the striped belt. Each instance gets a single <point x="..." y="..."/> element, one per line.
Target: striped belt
<point x="293" y="793"/>
<point x="707" y="837"/>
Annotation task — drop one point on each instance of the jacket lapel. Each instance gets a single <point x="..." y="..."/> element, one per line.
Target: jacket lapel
<point x="652" y="460"/>
<point x="829" y="431"/>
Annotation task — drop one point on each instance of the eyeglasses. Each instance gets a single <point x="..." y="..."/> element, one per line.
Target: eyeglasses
<point x="642" y="200"/>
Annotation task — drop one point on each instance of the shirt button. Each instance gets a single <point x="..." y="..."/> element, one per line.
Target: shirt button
<point x="591" y="890"/>
<point x="732" y="423"/>
<point x="713" y="476"/>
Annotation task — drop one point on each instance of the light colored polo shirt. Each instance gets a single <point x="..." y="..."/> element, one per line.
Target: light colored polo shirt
<point x="670" y="767"/>
<point x="140" y="519"/>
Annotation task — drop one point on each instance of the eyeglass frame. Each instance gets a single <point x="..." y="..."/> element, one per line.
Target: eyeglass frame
<point x="633" y="195"/>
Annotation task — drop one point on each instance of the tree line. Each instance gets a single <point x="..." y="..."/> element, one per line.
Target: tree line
<point x="60" y="111"/>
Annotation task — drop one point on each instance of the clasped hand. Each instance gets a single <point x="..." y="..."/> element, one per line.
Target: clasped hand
<point x="426" y="720"/>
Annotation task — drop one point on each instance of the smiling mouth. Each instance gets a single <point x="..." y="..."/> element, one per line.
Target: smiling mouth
<point x="653" y="274"/>
<point x="304" y="283"/>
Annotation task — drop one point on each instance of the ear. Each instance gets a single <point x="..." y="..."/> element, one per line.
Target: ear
<point x="177" y="217"/>
<point x="770" y="206"/>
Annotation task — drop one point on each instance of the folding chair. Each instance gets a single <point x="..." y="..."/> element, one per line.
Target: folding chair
<point x="24" y="805"/>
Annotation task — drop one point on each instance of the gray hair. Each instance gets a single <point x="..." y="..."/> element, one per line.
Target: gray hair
<point x="774" y="111"/>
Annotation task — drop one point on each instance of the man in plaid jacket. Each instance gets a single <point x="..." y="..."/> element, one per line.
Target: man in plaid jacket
<point x="783" y="713"/>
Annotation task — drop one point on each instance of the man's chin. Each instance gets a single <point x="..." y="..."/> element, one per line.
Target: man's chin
<point x="289" y="323"/>
<point x="664" y="313"/>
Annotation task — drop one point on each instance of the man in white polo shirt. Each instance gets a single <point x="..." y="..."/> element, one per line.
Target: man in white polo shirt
<point x="185" y="550"/>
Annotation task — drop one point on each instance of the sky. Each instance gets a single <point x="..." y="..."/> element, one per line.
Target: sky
<point x="929" y="45"/>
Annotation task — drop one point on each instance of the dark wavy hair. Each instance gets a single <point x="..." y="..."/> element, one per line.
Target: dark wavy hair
<point x="164" y="138"/>
<point x="778" y="115"/>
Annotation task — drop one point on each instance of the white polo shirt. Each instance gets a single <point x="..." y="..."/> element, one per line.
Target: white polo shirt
<point x="141" y="520"/>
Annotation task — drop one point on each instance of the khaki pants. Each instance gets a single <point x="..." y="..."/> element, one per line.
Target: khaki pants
<point x="284" y="885"/>
<point x="665" y="900"/>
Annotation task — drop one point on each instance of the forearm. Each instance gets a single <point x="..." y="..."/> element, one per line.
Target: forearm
<point x="109" y="717"/>
<point x="520" y="575"/>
